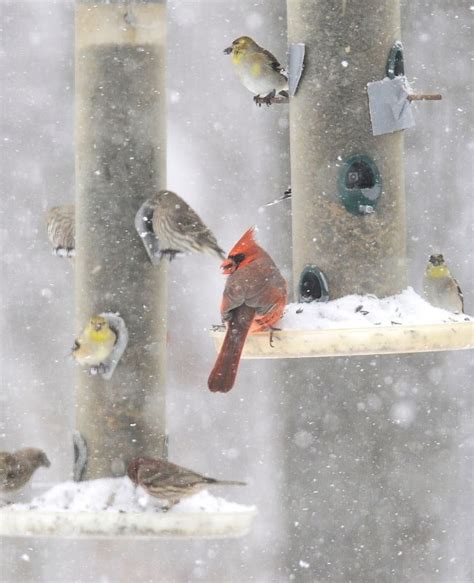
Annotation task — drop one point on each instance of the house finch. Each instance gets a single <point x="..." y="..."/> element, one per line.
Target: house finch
<point x="254" y="297"/>
<point x="61" y="229"/>
<point x="178" y="228"/>
<point x="258" y="70"/>
<point x="17" y="468"/>
<point x="440" y="287"/>
<point x="168" y="481"/>
<point x="95" y="343"/>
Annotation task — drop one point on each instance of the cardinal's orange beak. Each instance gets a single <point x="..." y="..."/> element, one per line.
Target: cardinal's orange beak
<point x="228" y="266"/>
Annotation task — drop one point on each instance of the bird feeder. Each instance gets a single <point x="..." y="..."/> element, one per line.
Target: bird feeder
<point x="120" y="159"/>
<point x="348" y="192"/>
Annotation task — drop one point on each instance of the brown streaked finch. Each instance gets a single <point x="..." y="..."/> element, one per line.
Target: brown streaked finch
<point x="60" y="221"/>
<point x="17" y="468"/>
<point x="167" y="481"/>
<point x="178" y="228"/>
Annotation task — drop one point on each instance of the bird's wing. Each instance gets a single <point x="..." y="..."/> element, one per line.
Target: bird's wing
<point x="61" y="226"/>
<point x="187" y="220"/>
<point x="8" y="466"/>
<point x="253" y="285"/>
<point x="168" y="474"/>
<point x="460" y="294"/>
<point x="273" y="62"/>
<point x="83" y="348"/>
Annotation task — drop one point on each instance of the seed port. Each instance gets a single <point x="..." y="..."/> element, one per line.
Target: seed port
<point x="359" y="185"/>
<point x="313" y="285"/>
<point x="395" y="62"/>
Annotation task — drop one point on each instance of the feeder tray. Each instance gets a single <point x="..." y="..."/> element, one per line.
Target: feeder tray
<point x="106" y="524"/>
<point x="400" y="339"/>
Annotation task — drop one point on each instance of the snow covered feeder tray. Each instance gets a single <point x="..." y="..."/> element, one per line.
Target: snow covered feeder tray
<point x="113" y="507"/>
<point x="361" y="325"/>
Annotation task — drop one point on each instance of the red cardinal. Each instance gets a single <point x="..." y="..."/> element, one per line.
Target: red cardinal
<point x="254" y="298"/>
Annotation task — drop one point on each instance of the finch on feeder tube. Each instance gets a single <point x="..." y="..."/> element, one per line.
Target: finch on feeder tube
<point x="16" y="469"/>
<point x="179" y="229"/>
<point x="60" y="222"/>
<point x="95" y="343"/>
<point x="254" y="298"/>
<point x="167" y="481"/>
<point x="440" y="287"/>
<point x="258" y="70"/>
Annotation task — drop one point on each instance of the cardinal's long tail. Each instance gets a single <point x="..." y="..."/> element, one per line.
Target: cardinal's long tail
<point x="222" y="377"/>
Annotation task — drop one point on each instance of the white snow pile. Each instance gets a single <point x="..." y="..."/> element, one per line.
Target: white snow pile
<point x="356" y="311"/>
<point x="118" y="495"/>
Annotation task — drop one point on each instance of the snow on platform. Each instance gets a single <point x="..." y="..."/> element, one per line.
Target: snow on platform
<point x="113" y="507"/>
<point x="361" y="325"/>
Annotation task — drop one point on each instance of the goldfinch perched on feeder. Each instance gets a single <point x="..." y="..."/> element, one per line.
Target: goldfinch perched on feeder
<point x="179" y="229"/>
<point x="60" y="221"/>
<point x="440" y="287"/>
<point x="17" y="468"/>
<point x="258" y="70"/>
<point x="95" y="343"/>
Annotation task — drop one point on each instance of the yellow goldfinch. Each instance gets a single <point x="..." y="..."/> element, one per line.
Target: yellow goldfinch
<point x="258" y="70"/>
<point x="61" y="229"/>
<point x="17" y="468"/>
<point x="95" y="343"/>
<point x="440" y="287"/>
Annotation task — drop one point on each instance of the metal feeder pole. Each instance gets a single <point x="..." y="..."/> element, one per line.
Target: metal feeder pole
<point x="347" y="45"/>
<point x="120" y="133"/>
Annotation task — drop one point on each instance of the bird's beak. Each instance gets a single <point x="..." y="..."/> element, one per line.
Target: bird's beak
<point x="228" y="266"/>
<point x="46" y="462"/>
<point x="228" y="50"/>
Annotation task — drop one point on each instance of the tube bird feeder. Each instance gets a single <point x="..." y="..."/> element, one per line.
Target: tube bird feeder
<point x="120" y="161"/>
<point x="348" y="188"/>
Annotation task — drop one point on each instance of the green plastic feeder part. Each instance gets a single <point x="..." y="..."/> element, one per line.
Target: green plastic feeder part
<point x="395" y="64"/>
<point x="359" y="185"/>
<point x="313" y="285"/>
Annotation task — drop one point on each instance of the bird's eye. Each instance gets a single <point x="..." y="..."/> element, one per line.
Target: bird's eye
<point x="238" y="258"/>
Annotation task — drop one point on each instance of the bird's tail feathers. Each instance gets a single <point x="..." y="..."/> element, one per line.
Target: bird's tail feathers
<point x="222" y="377"/>
<point x="227" y="483"/>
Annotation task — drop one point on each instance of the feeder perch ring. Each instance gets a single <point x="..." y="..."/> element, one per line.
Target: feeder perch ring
<point x="395" y="62"/>
<point x="296" y="53"/>
<point x="144" y="228"/>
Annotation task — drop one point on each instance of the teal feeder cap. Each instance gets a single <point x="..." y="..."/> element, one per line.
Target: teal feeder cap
<point x="359" y="184"/>
<point x="313" y="285"/>
<point x="395" y="64"/>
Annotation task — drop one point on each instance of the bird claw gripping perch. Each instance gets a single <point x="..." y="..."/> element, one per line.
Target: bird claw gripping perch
<point x="64" y="252"/>
<point x="144" y="227"/>
<point x="106" y="369"/>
